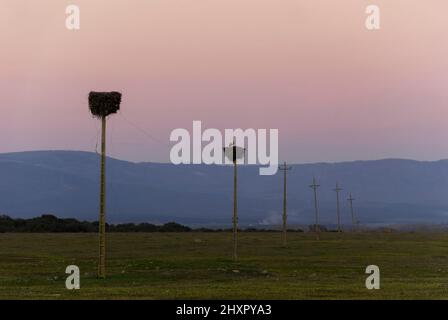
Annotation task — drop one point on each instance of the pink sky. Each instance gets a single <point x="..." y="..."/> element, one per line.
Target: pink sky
<point x="310" y="68"/>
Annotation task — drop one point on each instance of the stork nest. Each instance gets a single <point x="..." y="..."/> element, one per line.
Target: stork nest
<point x="102" y="104"/>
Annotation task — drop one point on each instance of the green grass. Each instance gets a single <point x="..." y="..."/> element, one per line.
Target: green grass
<point x="199" y="266"/>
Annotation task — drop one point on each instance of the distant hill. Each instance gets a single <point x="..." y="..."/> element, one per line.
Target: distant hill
<point x="66" y="183"/>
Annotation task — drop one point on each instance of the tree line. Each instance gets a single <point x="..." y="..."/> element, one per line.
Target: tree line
<point x="49" y="223"/>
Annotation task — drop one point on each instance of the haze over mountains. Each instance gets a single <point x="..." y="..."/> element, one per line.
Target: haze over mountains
<point x="66" y="183"/>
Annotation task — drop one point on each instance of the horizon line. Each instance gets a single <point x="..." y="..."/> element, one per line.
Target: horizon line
<point x="280" y="162"/>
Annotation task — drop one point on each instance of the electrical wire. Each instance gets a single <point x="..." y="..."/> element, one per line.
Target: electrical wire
<point x="145" y="132"/>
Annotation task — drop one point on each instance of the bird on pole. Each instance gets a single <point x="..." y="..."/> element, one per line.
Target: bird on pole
<point x="350" y="200"/>
<point x="314" y="186"/>
<point x="285" y="169"/>
<point x="234" y="153"/>
<point x="101" y="105"/>
<point x="338" y="208"/>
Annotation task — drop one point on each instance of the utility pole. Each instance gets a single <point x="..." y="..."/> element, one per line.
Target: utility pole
<point x="350" y="200"/>
<point x="338" y="208"/>
<point x="102" y="105"/>
<point x="235" y="154"/>
<point x="102" y="219"/>
<point x="235" y="204"/>
<point x="285" y="169"/>
<point x="314" y="186"/>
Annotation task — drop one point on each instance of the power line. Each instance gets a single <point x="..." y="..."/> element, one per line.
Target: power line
<point x="145" y="132"/>
<point x="97" y="136"/>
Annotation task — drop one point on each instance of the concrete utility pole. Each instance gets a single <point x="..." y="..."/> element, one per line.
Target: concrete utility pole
<point x="314" y="186"/>
<point x="102" y="219"/>
<point x="235" y="205"/>
<point x="234" y="153"/>
<point x="350" y="200"/>
<point x="285" y="169"/>
<point x="338" y="208"/>
<point x="102" y="105"/>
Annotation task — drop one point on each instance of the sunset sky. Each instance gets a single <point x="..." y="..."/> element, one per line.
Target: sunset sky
<point x="309" y="68"/>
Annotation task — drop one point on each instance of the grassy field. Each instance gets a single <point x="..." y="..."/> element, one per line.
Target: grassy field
<point x="199" y="266"/>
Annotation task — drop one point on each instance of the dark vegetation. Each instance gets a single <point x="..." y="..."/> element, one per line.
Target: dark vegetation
<point x="50" y="223"/>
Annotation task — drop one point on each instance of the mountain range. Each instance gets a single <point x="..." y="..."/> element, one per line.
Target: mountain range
<point x="66" y="183"/>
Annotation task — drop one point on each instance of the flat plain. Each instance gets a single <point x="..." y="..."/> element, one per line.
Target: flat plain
<point x="196" y="265"/>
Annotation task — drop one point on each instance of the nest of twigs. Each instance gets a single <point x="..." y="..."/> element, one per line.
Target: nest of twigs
<point x="102" y="104"/>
